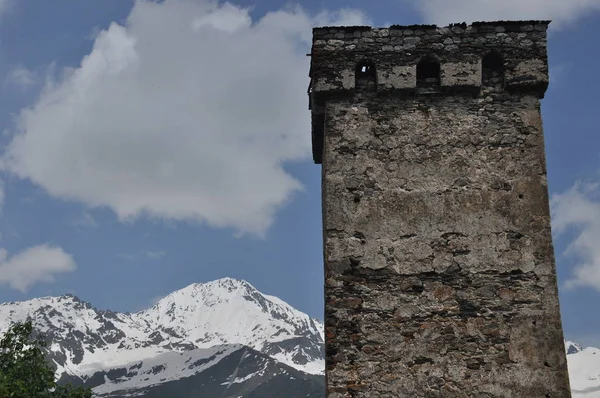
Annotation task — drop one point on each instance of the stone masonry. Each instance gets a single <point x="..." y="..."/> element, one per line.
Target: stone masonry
<point x="439" y="266"/>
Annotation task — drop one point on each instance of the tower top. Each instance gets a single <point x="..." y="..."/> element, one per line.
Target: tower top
<point x="401" y="59"/>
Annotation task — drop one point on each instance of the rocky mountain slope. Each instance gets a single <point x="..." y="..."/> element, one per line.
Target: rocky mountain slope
<point x="223" y="338"/>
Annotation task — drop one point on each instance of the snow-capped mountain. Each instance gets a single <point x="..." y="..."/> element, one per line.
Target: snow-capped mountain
<point x="209" y="314"/>
<point x="584" y="370"/>
<point x="193" y="332"/>
<point x="572" y="348"/>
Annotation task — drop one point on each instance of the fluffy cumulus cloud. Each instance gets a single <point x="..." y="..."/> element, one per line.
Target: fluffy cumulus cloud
<point x="33" y="265"/>
<point x="576" y="213"/>
<point x="188" y="111"/>
<point x="561" y="12"/>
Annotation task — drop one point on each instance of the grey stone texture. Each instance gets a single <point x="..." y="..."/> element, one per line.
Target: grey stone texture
<point x="439" y="267"/>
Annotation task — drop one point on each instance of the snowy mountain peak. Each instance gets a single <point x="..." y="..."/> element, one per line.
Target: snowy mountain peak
<point x="223" y="285"/>
<point x="199" y="316"/>
<point x="572" y="348"/>
<point x="214" y="293"/>
<point x="230" y="311"/>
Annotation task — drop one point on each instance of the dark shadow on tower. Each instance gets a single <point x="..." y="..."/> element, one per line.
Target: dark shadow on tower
<point x="492" y="70"/>
<point x="428" y="72"/>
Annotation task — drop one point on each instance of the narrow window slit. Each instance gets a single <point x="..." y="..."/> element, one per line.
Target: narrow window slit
<point x="366" y="77"/>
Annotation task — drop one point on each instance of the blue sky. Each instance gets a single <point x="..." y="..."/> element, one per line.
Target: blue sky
<point x="148" y="146"/>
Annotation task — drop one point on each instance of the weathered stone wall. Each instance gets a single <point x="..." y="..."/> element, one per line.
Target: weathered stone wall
<point x="440" y="277"/>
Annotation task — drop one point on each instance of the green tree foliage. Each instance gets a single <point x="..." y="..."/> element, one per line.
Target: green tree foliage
<point x="24" y="372"/>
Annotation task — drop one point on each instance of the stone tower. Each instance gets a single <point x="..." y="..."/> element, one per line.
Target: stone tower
<point x="439" y="267"/>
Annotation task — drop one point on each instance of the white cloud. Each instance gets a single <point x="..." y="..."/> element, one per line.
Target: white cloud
<point x="155" y="254"/>
<point x="33" y="265"/>
<point x="563" y="13"/>
<point x="22" y="78"/>
<point x="126" y="256"/>
<point x="86" y="220"/>
<point x="187" y="112"/>
<point x="578" y="211"/>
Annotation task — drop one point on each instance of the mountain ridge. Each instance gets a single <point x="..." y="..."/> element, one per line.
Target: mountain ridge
<point x="224" y="316"/>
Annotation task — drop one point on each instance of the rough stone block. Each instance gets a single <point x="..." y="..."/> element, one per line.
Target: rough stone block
<point x="461" y="74"/>
<point x="399" y="77"/>
<point x="529" y="73"/>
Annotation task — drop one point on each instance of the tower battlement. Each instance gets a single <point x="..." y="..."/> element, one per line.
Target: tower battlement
<point x="396" y="52"/>
<point x="424" y="59"/>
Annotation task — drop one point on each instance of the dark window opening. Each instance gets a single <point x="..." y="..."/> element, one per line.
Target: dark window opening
<point x="492" y="70"/>
<point x="366" y="77"/>
<point x="428" y="73"/>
